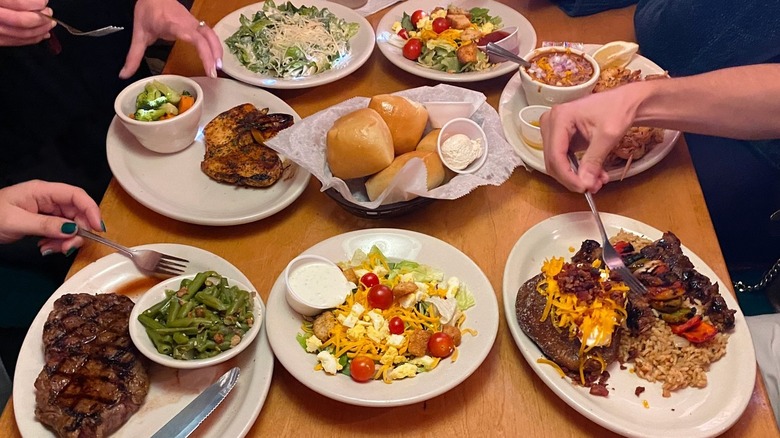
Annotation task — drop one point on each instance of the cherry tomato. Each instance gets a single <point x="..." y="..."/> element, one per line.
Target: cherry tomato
<point x="380" y="297"/>
<point x="396" y="325"/>
<point x="403" y="34"/>
<point x="412" y="49"/>
<point x="440" y="345"/>
<point x="361" y="368"/>
<point x="440" y="24"/>
<point x="417" y="16"/>
<point x="369" y="279"/>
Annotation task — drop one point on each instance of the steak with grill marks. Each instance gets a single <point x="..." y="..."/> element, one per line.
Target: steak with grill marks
<point x="93" y="378"/>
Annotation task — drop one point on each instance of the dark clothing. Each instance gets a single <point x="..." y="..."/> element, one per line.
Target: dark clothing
<point x="58" y="103"/>
<point x="578" y="8"/>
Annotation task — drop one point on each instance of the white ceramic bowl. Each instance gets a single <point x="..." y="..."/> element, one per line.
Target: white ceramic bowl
<point x="539" y="93"/>
<point x="163" y="136"/>
<point x="314" y="294"/>
<point x="470" y="129"/>
<point x="510" y="42"/>
<point x="439" y="113"/>
<point x="530" y="131"/>
<point x="155" y="295"/>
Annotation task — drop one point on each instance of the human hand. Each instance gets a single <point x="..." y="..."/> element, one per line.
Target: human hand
<point x="595" y="123"/>
<point x="20" y="25"/>
<point x="51" y="210"/>
<point x="170" y="20"/>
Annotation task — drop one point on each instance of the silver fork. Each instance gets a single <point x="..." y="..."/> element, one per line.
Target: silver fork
<point x="611" y="257"/>
<point x="73" y="31"/>
<point x="146" y="260"/>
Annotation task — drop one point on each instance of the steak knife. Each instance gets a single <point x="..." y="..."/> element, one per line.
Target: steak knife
<point x="186" y="421"/>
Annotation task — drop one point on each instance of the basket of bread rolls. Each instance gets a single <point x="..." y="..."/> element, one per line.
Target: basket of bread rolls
<point x="377" y="156"/>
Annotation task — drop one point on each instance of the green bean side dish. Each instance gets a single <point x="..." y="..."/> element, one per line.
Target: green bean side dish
<point x="200" y="320"/>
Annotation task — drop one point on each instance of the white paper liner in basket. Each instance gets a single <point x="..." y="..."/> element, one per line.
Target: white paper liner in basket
<point x="305" y="144"/>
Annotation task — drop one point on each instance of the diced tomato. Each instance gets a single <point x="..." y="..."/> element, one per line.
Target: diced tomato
<point x="403" y="34"/>
<point x="701" y="333"/>
<point x="623" y="247"/>
<point x="679" y="329"/>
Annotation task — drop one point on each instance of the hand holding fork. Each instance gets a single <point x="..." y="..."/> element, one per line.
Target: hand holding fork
<point x="148" y="261"/>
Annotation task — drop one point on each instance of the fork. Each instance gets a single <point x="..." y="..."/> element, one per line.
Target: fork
<point x="611" y="257"/>
<point x="146" y="260"/>
<point x="73" y="31"/>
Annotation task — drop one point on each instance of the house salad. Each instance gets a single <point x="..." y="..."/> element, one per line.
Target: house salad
<point x="402" y="319"/>
<point x="286" y="41"/>
<point x="446" y="39"/>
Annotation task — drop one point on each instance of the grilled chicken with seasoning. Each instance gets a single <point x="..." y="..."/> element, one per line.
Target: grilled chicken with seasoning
<point x="93" y="378"/>
<point x="235" y="153"/>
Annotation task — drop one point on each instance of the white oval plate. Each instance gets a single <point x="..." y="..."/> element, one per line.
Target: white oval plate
<point x="512" y="100"/>
<point x="688" y="413"/>
<point x="170" y="390"/>
<point x="509" y="17"/>
<point x="173" y="184"/>
<point x="283" y="323"/>
<point x="361" y="46"/>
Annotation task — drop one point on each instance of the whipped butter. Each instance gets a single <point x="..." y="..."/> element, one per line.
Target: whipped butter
<point x="459" y="151"/>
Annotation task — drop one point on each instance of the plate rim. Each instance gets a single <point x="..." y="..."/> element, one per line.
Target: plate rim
<point x="278" y="320"/>
<point x="241" y="73"/>
<point x="259" y="354"/>
<point x="117" y="160"/>
<point x="388" y="50"/>
<point x="572" y="395"/>
<point x="533" y="157"/>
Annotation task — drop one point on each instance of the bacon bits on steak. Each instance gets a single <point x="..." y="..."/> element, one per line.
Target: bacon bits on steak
<point x="93" y="379"/>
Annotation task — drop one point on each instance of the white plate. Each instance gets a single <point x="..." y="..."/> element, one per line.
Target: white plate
<point x="283" y="323"/>
<point x="361" y="46"/>
<point x="688" y="413"/>
<point x="509" y="17"/>
<point x="173" y="184"/>
<point x="170" y="390"/>
<point x="513" y="100"/>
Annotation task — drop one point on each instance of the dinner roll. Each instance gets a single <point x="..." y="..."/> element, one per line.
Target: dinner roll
<point x="376" y="184"/>
<point x="429" y="143"/>
<point x="405" y="118"/>
<point x="359" y="144"/>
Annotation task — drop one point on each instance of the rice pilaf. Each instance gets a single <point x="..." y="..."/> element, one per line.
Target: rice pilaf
<point x="660" y="355"/>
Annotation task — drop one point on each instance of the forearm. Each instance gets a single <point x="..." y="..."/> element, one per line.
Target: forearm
<point x="740" y="102"/>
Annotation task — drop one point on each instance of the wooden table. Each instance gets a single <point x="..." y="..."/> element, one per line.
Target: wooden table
<point x="503" y="397"/>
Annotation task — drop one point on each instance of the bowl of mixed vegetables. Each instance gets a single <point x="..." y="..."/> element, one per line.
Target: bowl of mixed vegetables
<point x="162" y="112"/>
<point x="195" y="321"/>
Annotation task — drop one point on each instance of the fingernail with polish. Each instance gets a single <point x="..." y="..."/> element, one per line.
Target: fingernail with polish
<point x="68" y="227"/>
<point x="103" y="226"/>
<point x="47" y="251"/>
<point x="219" y="63"/>
<point x="70" y="252"/>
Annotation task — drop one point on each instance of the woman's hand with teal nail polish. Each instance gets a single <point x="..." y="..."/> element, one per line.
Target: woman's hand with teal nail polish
<point x="69" y="227"/>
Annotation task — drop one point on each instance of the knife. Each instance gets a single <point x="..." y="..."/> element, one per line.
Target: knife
<point x="186" y="421"/>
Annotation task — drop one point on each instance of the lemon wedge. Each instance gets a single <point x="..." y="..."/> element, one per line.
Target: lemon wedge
<point x="615" y="54"/>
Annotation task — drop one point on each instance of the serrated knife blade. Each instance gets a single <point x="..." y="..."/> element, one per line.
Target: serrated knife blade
<point x="189" y="418"/>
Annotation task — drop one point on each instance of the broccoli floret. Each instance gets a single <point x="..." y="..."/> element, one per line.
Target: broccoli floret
<point x="150" y="115"/>
<point x="173" y="96"/>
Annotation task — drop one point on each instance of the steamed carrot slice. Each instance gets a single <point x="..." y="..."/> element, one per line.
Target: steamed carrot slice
<point x="186" y="103"/>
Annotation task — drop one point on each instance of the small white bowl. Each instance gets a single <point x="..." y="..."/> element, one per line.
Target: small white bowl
<point x="439" y="113"/>
<point x="539" y="93"/>
<point x="470" y="129"/>
<point x="530" y="131"/>
<point x="155" y="295"/>
<point x="163" y="136"/>
<point x="509" y="42"/>
<point x="315" y="284"/>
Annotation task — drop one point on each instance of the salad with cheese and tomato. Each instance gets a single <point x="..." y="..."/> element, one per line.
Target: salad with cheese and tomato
<point x="446" y="39"/>
<point x="402" y="319"/>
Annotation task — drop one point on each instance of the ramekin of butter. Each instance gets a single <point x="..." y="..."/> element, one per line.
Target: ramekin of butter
<point x="315" y="284"/>
<point x="462" y="145"/>
<point x="530" y="130"/>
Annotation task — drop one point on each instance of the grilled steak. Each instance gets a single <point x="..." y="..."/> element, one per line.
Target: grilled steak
<point x="93" y="379"/>
<point x="234" y="150"/>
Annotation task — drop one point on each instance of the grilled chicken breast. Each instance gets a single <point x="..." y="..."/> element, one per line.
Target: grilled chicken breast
<point x="233" y="153"/>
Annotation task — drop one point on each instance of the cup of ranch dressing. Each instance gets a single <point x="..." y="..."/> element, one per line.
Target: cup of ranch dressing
<point x="315" y="284"/>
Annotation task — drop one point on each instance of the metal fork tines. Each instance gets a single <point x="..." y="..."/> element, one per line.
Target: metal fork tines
<point x="611" y="257"/>
<point x="146" y="260"/>
<point x="94" y="33"/>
